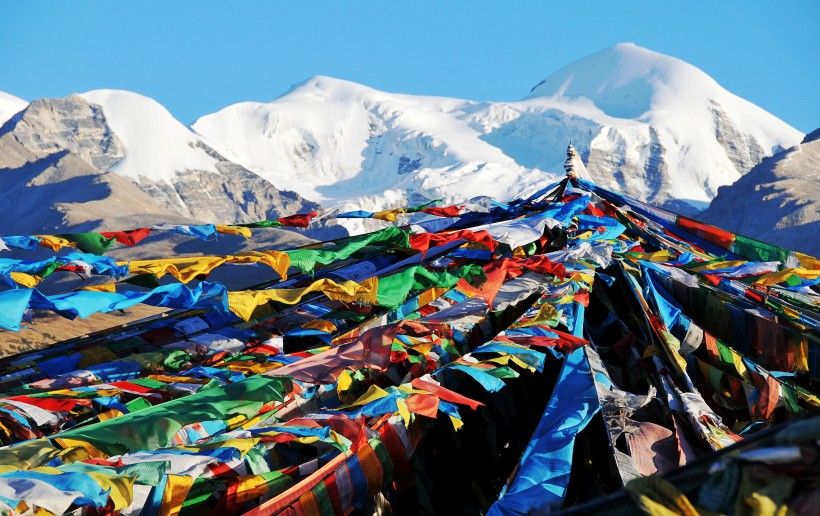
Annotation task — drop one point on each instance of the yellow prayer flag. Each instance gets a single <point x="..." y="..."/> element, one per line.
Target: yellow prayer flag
<point x="657" y="256"/>
<point x="546" y="314"/>
<point x="781" y="276"/>
<point x="244" y="302"/>
<point x="233" y="230"/>
<point x="343" y="386"/>
<point x="373" y="393"/>
<point x="26" y="280"/>
<point x="457" y="423"/>
<point x="740" y="367"/>
<point x="404" y="412"/>
<point x="801" y="359"/>
<point x="105" y="287"/>
<point x="183" y="269"/>
<point x="89" y="448"/>
<point x="241" y="444"/>
<point x="176" y="491"/>
<point x="120" y="488"/>
<point x="719" y="265"/>
<point x="186" y="269"/>
<point x="109" y="414"/>
<point x="807" y="262"/>
<point x="248" y="367"/>
<point x="320" y="325"/>
<point x="249" y="487"/>
<point x="389" y="215"/>
<point x="54" y="243"/>
<point x="276" y="260"/>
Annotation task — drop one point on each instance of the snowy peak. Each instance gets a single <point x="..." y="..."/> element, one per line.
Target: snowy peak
<point x="10" y="106"/>
<point x="682" y="134"/>
<point x="119" y="138"/>
<point x="324" y="87"/>
<point x="157" y="145"/>
<point x="332" y="89"/>
<point x="648" y="125"/>
<point x="645" y="124"/>
<point x="173" y="165"/>
<point x="333" y="140"/>
<point x="626" y="80"/>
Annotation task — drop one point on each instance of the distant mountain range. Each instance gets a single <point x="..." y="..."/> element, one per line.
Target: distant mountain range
<point x="647" y="125"/>
<point x="778" y="201"/>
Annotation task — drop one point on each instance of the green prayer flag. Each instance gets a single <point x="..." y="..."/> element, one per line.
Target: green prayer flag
<point x="277" y="483"/>
<point x="725" y="355"/>
<point x="143" y="280"/>
<point x="790" y="398"/>
<point x="48" y="269"/>
<point x="414" y="209"/>
<point x="93" y="243"/>
<point x="306" y="259"/>
<point x="384" y="457"/>
<point x="154" y="427"/>
<point x="502" y="372"/>
<point x="137" y="404"/>
<point x="202" y="489"/>
<point x="752" y="249"/>
<point x="322" y="499"/>
<point x="273" y="223"/>
<point x="176" y="360"/>
<point x="394" y="289"/>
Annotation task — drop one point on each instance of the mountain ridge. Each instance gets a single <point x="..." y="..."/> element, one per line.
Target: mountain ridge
<point x="784" y="191"/>
<point x="660" y="156"/>
<point x="10" y="106"/>
<point x="71" y="141"/>
<point x="345" y="145"/>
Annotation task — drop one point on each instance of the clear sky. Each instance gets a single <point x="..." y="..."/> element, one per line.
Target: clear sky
<point x="196" y="57"/>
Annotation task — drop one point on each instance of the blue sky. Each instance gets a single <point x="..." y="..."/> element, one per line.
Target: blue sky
<point x="196" y="57"/>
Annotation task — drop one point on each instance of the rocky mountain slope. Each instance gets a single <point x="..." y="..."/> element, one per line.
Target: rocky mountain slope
<point x="9" y="106"/>
<point x="778" y="201"/>
<point x="646" y="124"/>
<point x="71" y="165"/>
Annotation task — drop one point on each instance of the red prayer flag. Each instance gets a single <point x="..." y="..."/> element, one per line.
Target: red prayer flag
<point x="424" y="241"/>
<point x="444" y="393"/>
<point x="769" y="389"/>
<point x="595" y="211"/>
<point x="717" y="236"/>
<point x="53" y="404"/>
<point x="495" y="278"/>
<point x="130" y="238"/>
<point x="423" y="404"/>
<point x="540" y="263"/>
<point x="443" y="211"/>
<point x="70" y="268"/>
<point x="298" y="221"/>
<point x="564" y="341"/>
<point x="582" y="296"/>
<point x="397" y="451"/>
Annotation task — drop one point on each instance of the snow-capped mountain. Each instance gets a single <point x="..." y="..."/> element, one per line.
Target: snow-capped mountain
<point x="10" y="106"/>
<point x="119" y="138"/>
<point x="158" y="145"/>
<point x="778" y="201"/>
<point x="648" y="125"/>
<point x="681" y="134"/>
<point x="335" y="141"/>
